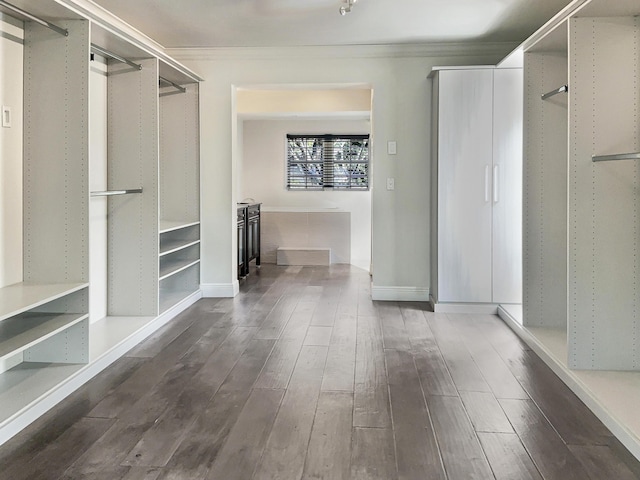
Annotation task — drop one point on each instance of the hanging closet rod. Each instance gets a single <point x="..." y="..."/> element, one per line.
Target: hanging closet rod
<point x="174" y="85"/>
<point x="111" y="193"/>
<point x="619" y="156"/>
<point x="39" y="20"/>
<point x="99" y="50"/>
<point x="562" y="89"/>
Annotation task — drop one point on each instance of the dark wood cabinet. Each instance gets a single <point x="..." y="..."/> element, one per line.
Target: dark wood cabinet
<point x="248" y="220"/>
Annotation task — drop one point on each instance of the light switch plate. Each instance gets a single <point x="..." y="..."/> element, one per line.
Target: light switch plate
<point x="391" y="184"/>
<point x="6" y="116"/>
<point x="391" y="148"/>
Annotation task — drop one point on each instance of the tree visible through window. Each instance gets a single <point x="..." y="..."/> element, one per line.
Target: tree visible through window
<point x="320" y="162"/>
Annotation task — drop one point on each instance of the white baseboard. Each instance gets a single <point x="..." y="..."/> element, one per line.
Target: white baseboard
<point x="628" y="438"/>
<point x="220" y="290"/>
<point x="400" y="294"/>
<point x="477" y="308"/>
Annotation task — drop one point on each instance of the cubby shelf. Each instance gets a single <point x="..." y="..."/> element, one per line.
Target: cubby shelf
<point x="28" y="329"/>
<point x="173" y="267"/>
<point x="21" y="297"/>
<point x="171" y="225"/>
<point x="175" y="246"/>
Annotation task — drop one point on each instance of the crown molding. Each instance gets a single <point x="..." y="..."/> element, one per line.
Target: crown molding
<point x="457" y="49"/>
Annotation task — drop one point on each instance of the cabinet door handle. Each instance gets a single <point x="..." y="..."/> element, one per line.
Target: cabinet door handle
<point x="495" y="184"/>
<point x="486" y="183"/>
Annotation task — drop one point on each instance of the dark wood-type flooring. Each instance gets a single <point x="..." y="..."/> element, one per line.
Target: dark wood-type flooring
<point x="302" y="376"/>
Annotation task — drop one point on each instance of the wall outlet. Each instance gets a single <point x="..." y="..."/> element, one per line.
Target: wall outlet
<point x="391" y="184"/>
<point x="6" y="116"/>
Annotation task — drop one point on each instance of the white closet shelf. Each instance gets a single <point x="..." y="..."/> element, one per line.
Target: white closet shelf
<point x="28" y="329"/>
<point x="176" y="246"/>
<point x="171" y="268"/>
<point x="20" y="297"/>
<point x="171" y="225"/>
<point x="25" y="383"/>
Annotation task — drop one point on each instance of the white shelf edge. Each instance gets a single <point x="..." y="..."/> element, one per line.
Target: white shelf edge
<point x="183" y="266"/>
<point x="41" y="293"/>
<point x="171" y="225"/>
<point x="181" y="246"/>
<point x="44" y="332"/>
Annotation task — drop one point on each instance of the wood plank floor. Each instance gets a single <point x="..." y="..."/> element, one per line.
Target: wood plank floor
<point x="302" y="376"/>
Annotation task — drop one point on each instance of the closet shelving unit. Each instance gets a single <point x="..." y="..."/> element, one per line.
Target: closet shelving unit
<point x="179" y="234"/>
<point x="581" y="226"/>
<point x="111" y="216"/>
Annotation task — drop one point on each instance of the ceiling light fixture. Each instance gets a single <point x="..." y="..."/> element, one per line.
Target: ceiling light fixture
<point x="347" y="8"/>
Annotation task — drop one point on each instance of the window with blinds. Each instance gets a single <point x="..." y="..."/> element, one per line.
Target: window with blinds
<point x="322" y="162"/>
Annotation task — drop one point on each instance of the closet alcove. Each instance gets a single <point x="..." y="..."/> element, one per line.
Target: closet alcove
<point x="103" y="158"/>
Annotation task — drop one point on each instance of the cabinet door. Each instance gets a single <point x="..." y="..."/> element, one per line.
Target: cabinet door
<point x="464" y="185"/>
<point x="507" y="190"/>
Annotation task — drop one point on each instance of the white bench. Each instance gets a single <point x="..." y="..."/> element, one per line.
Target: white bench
<point x="303" y="256"/>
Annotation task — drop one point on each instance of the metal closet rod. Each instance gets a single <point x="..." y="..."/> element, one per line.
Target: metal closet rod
<point x="111" y="193"/>
<point x="562" y="89"/>
<point x="39" y="20"/>
<point x="101" y="51"/>
<point x="618" y="156"/>
<point x="174" y="85"/>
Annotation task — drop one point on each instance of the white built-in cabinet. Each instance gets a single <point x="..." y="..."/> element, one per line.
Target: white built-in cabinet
<point x="582" y="175"/>
<point x="110" y="202"/>
<point x="476" y="187"/>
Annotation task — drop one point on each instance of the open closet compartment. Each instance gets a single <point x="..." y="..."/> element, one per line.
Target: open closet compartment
<point x="44" y="310"/>
<point x="581" y="230"/>
<point x="179" y="176"/>
<point x="545" y="169"/>
<point x="84" y="148"/>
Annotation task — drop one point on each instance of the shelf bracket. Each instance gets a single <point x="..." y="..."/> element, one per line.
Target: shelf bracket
<point x="562" y="89"/>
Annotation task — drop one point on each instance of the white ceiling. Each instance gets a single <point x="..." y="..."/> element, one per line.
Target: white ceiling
<point x="251" y="23"/>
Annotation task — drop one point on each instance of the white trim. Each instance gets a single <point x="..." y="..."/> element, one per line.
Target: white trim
<point x="628" y="438"/>
<point x="220" y="290"/>
<point x="400" y="294"/>
<point x="452" y="49"/>
<point x="40" y="406"/>
<point x="476" y="308"/>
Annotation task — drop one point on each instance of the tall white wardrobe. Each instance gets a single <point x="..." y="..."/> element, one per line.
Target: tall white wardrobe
<point x="99" y="231"/>
<point x="476" y="218"/>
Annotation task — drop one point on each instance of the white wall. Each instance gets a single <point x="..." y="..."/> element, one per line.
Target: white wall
<point x="401" y="106"/>
<point x="304" y="100"/>
<point x="11" y="66"/>
<point x="264" y="176"/>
